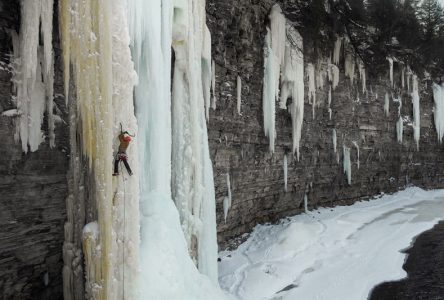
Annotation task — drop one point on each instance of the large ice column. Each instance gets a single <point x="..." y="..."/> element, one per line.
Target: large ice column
<point x="126" y="198"/>
<point x="438" y="111"/>
<point x="269" y="91"/>
<point x="416" y="111"/>
<point x="192" y="174"/>
<point x="274" y="56"/>
<point x="34" y="73"/>
<point x="292" y="84"/>
<point x="104" y="90"/>
<point x="163" y="243"/>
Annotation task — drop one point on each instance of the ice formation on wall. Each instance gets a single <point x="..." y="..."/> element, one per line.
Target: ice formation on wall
<point x="399" y="123"/>
<point x="403" y="77"/>
<point x="305" y="203"/>
<point x="362" y="76"/>
<point x="334" y="140"/>
<point x="438" y="111"/>
<point x="311" y="86"/>
<point x="283" y="59"/>
<point x="416" y="111"/>
<point x="227" y="199"/>
<point x="337" y="50"/>
<point x="192" y="173"/>
<point x="269" y="91"/>
<point x="334" y="71"/>
<point x="390" y="60"/>
<point x="347" y="163"/>
<point x="399" y="129"/>
<point x="104" y="88"/>
<point x="206" y="70"/>
<point x="329" y="102"/>
<point x="409" y="74"/>
<point x="350" y="67"/>
<point x="213" y="85"/>
<point x="33" y="69"/>
<point x="285" y="172"/>
<point x="386" y="104"/>
<point x="292" y="84"/>
<point x="239" y="94"/>
<point x="174" y="152"/>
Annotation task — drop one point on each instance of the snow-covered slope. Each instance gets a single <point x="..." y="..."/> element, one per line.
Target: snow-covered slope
<point x="334" y="254"/>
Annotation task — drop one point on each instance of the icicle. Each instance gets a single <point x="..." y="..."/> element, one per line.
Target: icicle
<point x="399" y="129"/>
<point x="334" y="76"/>
<point x="416" y="111"/>
<point x="334" y="140"/>
<point x="337" y="50"/>
<point x="409" y="75"/>
<point x="227" y="199"/>
<point x="402" y="78"/>
<point x="399" y="123"/>
<point x="206" y="71"/>
<point x="350" y="67"/>
<point x="357" y="151"/>
<point x="239" y="94"/>
<point x="292" y="84"/>
<point x="31" y="65"/>
<point x="311" y="87"/>
<point x="305" y="203"/>
<point x="192" y="173"/>
<point x="278" y="36"/>
<point x="386" y="105"/>
<point x="213" y="85"/>
<point x="285" y="172"/>
<point x="329" y="102"/>
<point x="269" y="92"/>
<point x="362" y="76"/>
<point x="390" y="60"/>
<point x="438" y="112"/>
<point x="347" y="163"/>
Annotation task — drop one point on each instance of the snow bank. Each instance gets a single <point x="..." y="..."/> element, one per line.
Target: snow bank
<point x="323" y="254"/>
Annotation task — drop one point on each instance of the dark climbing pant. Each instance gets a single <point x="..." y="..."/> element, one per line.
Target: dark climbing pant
<point x="124" y="158"/>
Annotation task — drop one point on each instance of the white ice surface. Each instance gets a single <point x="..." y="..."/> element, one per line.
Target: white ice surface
<point x="324" y="254"/>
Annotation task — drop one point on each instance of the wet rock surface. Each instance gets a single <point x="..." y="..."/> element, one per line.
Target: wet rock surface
<point x="425" y="269"/>
<point x="33" y="187"/>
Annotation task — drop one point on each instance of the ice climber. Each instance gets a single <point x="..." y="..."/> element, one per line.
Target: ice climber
<point x="125" y="139"/>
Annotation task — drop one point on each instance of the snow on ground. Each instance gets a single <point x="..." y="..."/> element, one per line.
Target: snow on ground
<point x="332" y="253"/>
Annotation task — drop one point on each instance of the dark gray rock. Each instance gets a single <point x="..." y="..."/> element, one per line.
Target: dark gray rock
<point x="33" y="188"/>
<point x="238" y="145"/>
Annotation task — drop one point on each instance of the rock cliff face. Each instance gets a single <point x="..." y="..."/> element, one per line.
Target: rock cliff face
<point x="239" y="147"/>
<point x="33" y="188"/>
